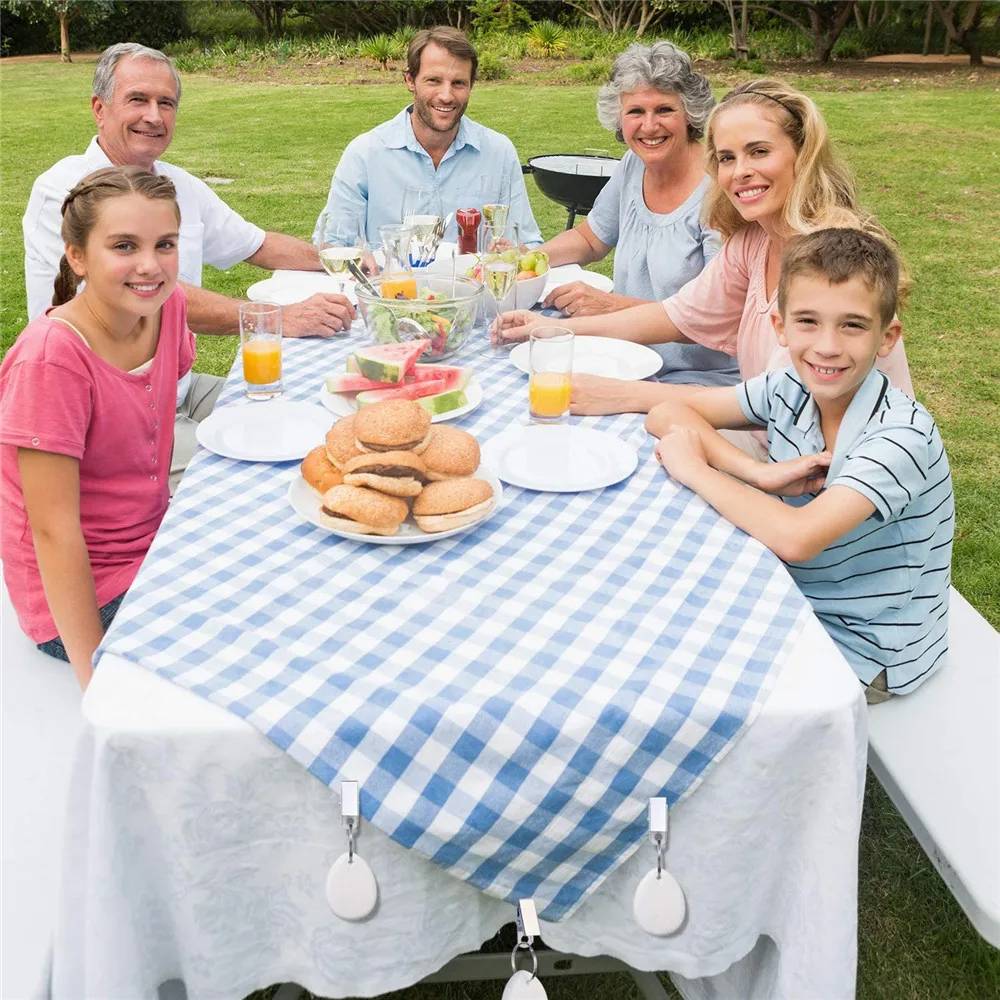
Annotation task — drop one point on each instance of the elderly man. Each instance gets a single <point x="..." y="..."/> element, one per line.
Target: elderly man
<point x="431" y="144"/>
<point x="136" y="95"/>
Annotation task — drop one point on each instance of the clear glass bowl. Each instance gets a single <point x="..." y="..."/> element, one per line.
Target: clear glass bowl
<point x="444" y="311"/>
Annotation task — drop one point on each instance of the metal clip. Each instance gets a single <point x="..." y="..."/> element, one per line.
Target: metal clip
<point x="658" y="829"/>
<point x="527" y="931"/>
<point x="350" y="814"/>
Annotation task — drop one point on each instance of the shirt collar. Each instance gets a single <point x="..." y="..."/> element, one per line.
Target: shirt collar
<point x="97" y="158"/>
<point x="400" y="135"/>
<point x="859" y="413"/>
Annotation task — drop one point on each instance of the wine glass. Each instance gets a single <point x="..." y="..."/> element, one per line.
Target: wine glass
<point x="421" y="213"/>
<point x="341" y="239"/>
<point x="496" y="200"/>
<point x="498" y="261"/>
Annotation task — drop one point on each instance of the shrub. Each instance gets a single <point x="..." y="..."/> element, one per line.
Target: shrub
<point x="751" y="65"/>
<point x="380" y="48"/>
<point x="492" y="67"/>
<point x="589" y="72"/>
<point x="548" y="40"/>
<point x="585" y="52"/>
<point x="402" y="37"/>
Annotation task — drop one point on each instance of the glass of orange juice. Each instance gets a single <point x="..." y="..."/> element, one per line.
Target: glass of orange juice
<point x="260" y="345"/>
<point x="551" y="363"/>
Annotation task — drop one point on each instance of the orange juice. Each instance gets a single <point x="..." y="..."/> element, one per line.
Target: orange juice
<point x="262" y="362"/>
<point x="548" y="394"/>
<point x="399" y="286"/>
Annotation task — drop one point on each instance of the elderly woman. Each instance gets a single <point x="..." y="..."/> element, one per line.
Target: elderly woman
<point x="650" y="208"/>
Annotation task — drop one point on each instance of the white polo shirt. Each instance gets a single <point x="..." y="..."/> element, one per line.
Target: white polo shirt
<point x="211" y="232"/>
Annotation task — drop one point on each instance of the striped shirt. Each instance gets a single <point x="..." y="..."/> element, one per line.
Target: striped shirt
<point x="881" y="591"/>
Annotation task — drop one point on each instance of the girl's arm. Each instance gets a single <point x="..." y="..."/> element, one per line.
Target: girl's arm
<point x="51" y="487"/>
<point x="793" y="534"/>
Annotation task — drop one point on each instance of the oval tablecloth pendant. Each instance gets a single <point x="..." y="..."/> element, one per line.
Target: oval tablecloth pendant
<point x="524" y="986"/>
<point x="351" y="889"/>
<point x="659" y="907"/>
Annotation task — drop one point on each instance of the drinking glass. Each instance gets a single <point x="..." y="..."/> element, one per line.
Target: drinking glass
<point x="499" y="270"/>
<point x="496" y="200"/>
<point x="550" y="358"/>
<point x="397" y="281"/>
<point x="341" y="239"/>
<point x="260" y="345"/>
<point x="421" y="213"/>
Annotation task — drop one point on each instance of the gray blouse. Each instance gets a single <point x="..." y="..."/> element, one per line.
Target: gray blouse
<point x="655" y="256"/>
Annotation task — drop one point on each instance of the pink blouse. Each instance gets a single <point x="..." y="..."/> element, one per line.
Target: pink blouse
<point x="726" y="307"/>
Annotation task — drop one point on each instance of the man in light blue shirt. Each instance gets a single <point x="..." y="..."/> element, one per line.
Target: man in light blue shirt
<point x="431" y="144"/>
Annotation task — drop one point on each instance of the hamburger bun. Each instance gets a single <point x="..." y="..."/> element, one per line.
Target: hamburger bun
<point x="452" y="503"/>
<point x="392" y="425"/>
<point x="450" y="453"/>
<point x="319" y="472"/>
<point x="361" y="511"/>
<point x="398" y="473"/>
<point x="340" y="442"/>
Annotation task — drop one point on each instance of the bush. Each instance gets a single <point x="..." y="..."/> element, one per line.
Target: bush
<point x="751" y="65"/>
<point x="589" y="72"/>
<point x="548" y="40"/>
<point x="492" y="67"/>
<point x="380" y="48"/>
<point x="585" y="52"/>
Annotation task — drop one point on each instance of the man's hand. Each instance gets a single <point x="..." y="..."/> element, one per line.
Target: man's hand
<point x="806" y="474"/>
<point x="320" y="315"/>
<point x="580" y="299"/>
<point x="681" y="453"/>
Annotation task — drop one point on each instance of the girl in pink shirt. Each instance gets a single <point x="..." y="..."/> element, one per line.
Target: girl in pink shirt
<point x="87" y="398"/>
<point x="776" y="178"/>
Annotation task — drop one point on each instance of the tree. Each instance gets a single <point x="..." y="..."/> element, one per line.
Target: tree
<point x="826" y="21"/>
<point x="269" y="13"/>
<point x="65" y="11"/>
<point x="964" y="31"/>
<point x="622" y="15"/>
<point x="739" y="29"/>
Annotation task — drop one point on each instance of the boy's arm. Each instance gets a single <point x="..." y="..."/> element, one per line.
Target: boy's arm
<point x="51" y="487"/>
<point x="793" y="534"/>
<point x="709" y="409"/>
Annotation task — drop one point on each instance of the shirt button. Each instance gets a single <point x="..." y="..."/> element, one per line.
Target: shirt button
<point x="149" y="388"/>
<point x="152" y="406"/>
<point x="34" y="441"/>
<point x="153" y="478"/>
<point x="154" y="461"/>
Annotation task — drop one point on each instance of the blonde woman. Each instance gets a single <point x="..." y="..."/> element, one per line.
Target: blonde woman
<point x="776" y="178"/>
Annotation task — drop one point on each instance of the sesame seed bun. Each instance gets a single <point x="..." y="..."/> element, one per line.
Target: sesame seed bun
<point x="450" y="453"/>
<point x="398" y="473"/>
<point x="453" y="503"/>
<point x="340" y="442"/>
<point x="319" y="472"/>
<point x="392" y="425"/>
<point x="362" y="511"/>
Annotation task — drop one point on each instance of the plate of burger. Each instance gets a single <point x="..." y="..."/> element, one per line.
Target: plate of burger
<point x="386" y="476"/>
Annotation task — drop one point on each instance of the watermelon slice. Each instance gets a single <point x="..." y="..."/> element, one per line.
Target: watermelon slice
<point x="443" y="402"/>
<point x="353" y="383"/>
<point x="411" y="390"/>
<point x="454" y="377"/>
<point x="388" y="362"/>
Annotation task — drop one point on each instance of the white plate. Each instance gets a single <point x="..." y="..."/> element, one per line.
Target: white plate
<point x="306" y="504"/>
<point x="565" y="274"/>
<point x="286" y="288"/>
<point x="343" y="404"/>
<point x="559" y="459"/>
<point x="270" y="430"/>
<point x="601" y="356"/>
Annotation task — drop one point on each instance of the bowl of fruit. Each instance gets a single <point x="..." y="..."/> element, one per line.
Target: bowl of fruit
<point x="532" y="274"/>
<point x="431" y="307"/>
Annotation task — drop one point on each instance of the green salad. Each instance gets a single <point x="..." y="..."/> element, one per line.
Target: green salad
<point x="445" y="326"/>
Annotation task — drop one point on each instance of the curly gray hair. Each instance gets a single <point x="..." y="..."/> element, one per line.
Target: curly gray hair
<point x="104" y="75"/>
<point x="661" y="66"/>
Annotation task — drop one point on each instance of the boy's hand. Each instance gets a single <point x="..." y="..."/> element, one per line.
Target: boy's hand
<point x="681" y="453"/>
<point x="806" y="474"/>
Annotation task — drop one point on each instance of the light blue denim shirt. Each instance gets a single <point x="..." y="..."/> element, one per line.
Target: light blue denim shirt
<point x="377" y="166"/>
<point x="656" y="254"/>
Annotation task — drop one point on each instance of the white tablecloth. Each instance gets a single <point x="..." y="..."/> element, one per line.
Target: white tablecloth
<point x="196" y="849"/>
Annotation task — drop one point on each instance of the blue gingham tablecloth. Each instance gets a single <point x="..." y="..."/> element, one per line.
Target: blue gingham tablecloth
<point x="509" y="698"/>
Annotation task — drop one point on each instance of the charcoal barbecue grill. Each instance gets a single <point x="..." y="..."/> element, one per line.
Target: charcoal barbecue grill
<point x="572" y="180"/>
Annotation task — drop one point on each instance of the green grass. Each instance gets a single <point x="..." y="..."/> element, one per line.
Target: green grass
<point x="927" y="159"/>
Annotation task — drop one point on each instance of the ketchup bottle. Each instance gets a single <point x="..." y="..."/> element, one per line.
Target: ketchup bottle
<point x="467" y="220"/>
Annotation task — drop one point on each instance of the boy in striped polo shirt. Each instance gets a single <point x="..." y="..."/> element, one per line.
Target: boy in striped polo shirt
<point x="862" y="510"/>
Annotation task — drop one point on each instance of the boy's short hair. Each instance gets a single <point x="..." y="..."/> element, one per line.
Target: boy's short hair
<point x="451" y="39"/>
<point x="839" y="255"/>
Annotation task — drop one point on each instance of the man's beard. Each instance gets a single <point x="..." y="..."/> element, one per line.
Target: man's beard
<point x="426" y="115"/>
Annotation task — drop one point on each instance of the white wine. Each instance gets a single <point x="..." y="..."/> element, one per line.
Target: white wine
<point x="334" y="259"/>
<point x="500" y="277"/>
<point x="496" y="216"/>
<point x="423" y="228"/>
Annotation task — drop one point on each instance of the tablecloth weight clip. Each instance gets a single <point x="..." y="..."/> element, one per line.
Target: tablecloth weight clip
<point x="351" y="889"/>
<point x="524" y="985"/>
<point x="659" y="907"/>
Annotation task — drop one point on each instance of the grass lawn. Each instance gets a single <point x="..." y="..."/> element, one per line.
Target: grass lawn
<point x="927" y="158"/>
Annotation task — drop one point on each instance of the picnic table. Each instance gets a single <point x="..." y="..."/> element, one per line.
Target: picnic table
<point x="198" y="837"/>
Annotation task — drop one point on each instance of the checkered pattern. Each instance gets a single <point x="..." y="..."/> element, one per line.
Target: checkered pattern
<point x="508" y="698"/>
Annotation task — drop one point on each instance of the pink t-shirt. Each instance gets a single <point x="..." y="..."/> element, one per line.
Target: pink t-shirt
<point x="726" y="307"/>
<point x="57" y="395"/>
